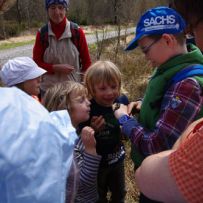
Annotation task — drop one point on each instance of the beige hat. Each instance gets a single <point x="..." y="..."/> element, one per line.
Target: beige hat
<point x="20" y="69"/>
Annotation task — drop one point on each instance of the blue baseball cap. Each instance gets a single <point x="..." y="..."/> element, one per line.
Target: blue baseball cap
<point x="157" y="21"/>
<point x="63" y="2"/>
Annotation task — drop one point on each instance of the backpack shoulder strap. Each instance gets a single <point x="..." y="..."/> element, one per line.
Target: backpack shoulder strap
<point x="74" y="31"/>
<point x="74" y="25"/>
<point x="190" y="71"/>
<point x="44" y="35"/>
<point x="75" y="34"/>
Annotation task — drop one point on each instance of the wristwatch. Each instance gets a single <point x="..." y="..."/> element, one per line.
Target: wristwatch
<point x="123" y="119"/>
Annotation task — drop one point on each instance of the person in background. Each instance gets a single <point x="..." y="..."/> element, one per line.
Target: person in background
<point x="60" y="47"/>
<point x="23" y="73"/>
<point x="82" y="181"/>
<point x="169" y="104"/>
<point x="103" y="81"/>
<point x="178" y="173"/>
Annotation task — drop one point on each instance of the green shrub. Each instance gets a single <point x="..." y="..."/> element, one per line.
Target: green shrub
<point x="11" y="29"/>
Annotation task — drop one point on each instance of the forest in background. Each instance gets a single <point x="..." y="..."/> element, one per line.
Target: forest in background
<point x="26" y="14"/>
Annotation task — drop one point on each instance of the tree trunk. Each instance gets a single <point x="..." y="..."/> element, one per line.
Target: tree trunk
<point x="19" y="17"/>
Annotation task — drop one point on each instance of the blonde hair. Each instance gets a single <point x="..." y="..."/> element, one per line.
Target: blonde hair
<point x="101" y="72"/>
<point x="58" y="96"/>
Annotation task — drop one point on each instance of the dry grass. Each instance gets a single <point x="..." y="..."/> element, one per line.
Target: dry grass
<point x="136" y="72"/>
<point x="132" y="190"/>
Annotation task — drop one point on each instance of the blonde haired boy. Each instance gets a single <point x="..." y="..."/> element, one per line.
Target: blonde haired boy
<point x="103" y="81"/>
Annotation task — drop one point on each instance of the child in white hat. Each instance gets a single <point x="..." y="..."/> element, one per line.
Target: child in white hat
<point x="23" y="73"/>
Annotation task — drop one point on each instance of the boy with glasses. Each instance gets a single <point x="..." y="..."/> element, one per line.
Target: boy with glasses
<point x="169" y="104"/>
<point x="180" y="169"/>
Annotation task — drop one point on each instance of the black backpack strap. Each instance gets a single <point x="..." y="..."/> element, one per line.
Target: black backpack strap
<point x="189" y="71"/>
<point x="44" y="35"/>
<point x="75" y="34"/>
<point x="74" y="27"/>
<point x="74" y="31"/>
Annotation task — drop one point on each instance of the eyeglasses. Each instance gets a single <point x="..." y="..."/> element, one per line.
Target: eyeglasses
<point x="146" y="49"/>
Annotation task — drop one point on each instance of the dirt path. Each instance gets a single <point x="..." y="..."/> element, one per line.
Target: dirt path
<point x="26" y="50"/>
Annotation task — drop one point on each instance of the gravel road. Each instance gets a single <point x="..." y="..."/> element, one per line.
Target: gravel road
<point x="27" y="49"/>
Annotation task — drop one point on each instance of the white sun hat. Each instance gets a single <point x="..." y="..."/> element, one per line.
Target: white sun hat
<point x="18" y="70"/>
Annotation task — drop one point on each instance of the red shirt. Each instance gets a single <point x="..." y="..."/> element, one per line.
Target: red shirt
<point x="186" y="165"/>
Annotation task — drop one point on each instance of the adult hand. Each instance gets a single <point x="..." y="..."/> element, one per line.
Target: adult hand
<point x="97" y="123"/>
<point x="87" y="136"/>
<point x="63" y="68"/>
<point x="122" y="110"/>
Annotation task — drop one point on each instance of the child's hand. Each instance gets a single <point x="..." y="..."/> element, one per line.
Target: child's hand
<point x="97" y="123"/>
<point x="123" y="110"/>
<point x="87" y="136"/>
<point x="134" y="107"/>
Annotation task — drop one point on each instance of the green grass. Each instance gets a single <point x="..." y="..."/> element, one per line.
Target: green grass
<point x="9" y="45"/>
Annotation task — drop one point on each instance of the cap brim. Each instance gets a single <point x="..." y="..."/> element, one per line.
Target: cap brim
<point x="36" y="73"/>
<point x="134" y="43"/>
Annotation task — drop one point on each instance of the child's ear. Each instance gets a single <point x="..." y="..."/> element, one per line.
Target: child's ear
<point x="169" y="39"/>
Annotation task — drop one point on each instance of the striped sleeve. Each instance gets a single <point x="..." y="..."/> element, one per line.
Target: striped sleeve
<point x="88" y="164"/>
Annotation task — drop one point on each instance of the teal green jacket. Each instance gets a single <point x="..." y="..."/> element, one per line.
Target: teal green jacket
<point x="156" y="88"/>
<point x="155" y="92"/>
